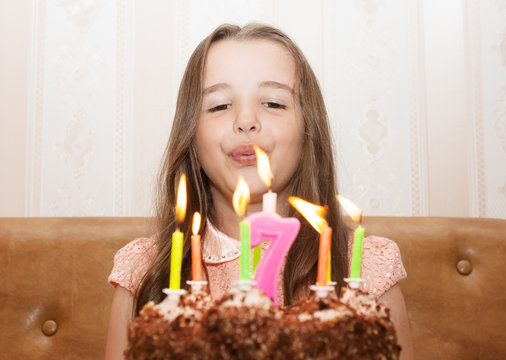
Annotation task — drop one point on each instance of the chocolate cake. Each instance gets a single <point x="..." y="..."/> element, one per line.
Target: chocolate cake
<point x="171" y="329"/>
<point x="244" y="324"/>
<point x="353" y="326"/>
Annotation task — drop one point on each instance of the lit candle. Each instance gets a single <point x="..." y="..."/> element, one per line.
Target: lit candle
<point x="329" y="275"/>
<point x="269" y="225"/>
<point x="177" y="237"/>
<point x="240" y="201"/>
<point x="356" y="215"/>
<point x="315" y="215"/>
<point x="356" y="260"/>
<point x="265" y="173"/>
<point x="324" y="256"/>
<point x="257" y="255"/>
<point x="196" y="251"/>
<point x="245" y="250"/>
<point x="282" y="232"/>
<point x="269" y="199"/>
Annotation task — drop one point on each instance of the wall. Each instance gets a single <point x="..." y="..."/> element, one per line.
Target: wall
<point x="416" y="93"/>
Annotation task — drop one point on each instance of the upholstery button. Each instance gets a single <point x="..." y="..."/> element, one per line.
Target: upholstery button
<point x="49" y="327"/>
<point x="464" y="267"/>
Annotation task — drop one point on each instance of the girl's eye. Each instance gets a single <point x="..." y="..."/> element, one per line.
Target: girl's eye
<point x="220" y="108"/>
<point x="273" y="105"/>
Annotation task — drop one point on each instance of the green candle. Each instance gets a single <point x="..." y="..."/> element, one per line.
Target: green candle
<point x="356" y="259"/>
<point x="245" y="249"/>
<point x="257" y="254"/>
<point x="175" y="260"/>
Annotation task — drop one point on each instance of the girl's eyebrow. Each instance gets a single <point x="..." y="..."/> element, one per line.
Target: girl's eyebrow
<point x="214" y="88"/>
<point x="270" y="84"/>
<point x="277" y="85"/>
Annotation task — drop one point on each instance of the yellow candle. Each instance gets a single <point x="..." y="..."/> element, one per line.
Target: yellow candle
<point x="177" y="237"/>
<point x="175" y="260"/>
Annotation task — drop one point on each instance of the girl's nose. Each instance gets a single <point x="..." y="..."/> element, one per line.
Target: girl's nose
<point x="246" y="121"/>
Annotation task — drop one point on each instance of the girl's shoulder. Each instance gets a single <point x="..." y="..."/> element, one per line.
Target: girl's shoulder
<point x="382" y="265"/>
<point x="132" y="261"/>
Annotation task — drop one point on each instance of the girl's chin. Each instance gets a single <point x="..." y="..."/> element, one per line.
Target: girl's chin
<point x="256" y="189"/>
<point x="256" y="198"/>
<point x="255" y="184"/>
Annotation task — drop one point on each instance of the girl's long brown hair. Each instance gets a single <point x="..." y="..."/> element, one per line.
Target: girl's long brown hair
<point x="314" y="180"/>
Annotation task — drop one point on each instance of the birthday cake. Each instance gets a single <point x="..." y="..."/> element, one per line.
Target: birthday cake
<point x="353" y="326"/>
<point x="244" y="324"/>
<point x="171" y="329"/>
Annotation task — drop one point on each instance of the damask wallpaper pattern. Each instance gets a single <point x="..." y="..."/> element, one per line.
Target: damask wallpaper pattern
<point x="416" y="94"/>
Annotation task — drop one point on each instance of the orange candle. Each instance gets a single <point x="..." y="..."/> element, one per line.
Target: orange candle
<point x="196" y="251"/>
<point x="323" y="258"/>
<point x="315" y="215"/>
<point x="329" y="276"/>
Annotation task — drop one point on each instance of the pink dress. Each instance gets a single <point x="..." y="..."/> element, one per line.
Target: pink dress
<point x="381" y="268"/>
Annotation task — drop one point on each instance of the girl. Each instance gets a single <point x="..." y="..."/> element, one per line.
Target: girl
<point x="243" y="86"/>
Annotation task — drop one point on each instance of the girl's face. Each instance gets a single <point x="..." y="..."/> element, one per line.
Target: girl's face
<point x="249" y="97"/>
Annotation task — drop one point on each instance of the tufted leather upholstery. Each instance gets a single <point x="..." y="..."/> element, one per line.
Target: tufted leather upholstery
<point x="455" y="292"/>
<point x="54" y="296"/>
<point x="56" y="269"/>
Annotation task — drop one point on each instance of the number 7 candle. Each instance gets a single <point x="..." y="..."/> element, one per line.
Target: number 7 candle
<point x="282" y="232"/>
<point x="269" y="225"/>
<point x="177" y="237"/>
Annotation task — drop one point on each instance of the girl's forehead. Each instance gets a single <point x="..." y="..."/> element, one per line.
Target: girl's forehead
<point x="255" y="60"/>
<point x="248" y="45"/>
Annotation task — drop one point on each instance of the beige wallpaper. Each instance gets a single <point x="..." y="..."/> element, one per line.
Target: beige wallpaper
<point x="416" y="93"/>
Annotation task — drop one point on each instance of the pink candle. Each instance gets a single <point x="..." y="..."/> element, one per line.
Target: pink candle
<point x="282" y="232"/>
<point x="269" y="198"/>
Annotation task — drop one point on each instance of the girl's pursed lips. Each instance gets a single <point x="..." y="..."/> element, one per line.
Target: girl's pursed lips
<point x="244" y="155"/>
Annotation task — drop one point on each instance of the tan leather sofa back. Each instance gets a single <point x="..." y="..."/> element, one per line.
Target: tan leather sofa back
<point x="56" y="270"/>
<point x="455" y="291"/>
<point x="54" y="295"/>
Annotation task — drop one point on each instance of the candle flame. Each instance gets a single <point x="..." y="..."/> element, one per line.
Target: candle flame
<point x="314" y="214"/>
<point x="263" y="166"/>
<point x="196" y="223"/>
<point x="240" y="199"/>
<point x="181" y="199"/>
<point x="351" y="209"/>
